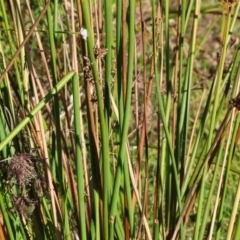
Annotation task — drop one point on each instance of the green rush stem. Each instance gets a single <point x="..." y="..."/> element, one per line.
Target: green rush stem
<point x="119" y="62"/>
<point x="55" y="18"/>
<point x="180" y="83"/>
<point x="56" y="106"/>
<point x="108" y="59"/>
<point x="172" y="182"/>
<point x="128" y="197"/>
<point x="6" y="218"/>
<point x="103" y="127"/>
<point x="108" y="69"/>
<point x="80" y="176"/>
<point x="162" y="115"/>
<point x="122" y="153"/>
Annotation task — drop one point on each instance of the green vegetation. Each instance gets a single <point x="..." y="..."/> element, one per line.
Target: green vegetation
<point x="119" y="120"/>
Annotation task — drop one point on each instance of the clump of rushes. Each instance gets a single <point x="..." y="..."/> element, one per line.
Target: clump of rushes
<point x="129" y="103"/>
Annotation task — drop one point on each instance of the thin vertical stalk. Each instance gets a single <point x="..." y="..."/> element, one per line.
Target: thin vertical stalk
<point x="167" y="154"/>
<point x="108" y="70"/>
<point x="171" y="182"/>
<point x="210" y="194"/>
<point x="128" y="198"/>
<point x="180" y="78"/>
<point x="56" y="112"/>
<point x="200" y="207"/>
<point x="234" y="213"/>
<point x="104" y="136"/>
<point x="119" y="53"/>
<point x="80" y="176"/>
<point x="6" y="219"/>
<point x="228" y="153"/>
<point x="184" y="118"/>
<point x="127" y="107"/>
<point x="55" y="18"/>
<point x="108" y="59"/>
<point x="119" y="85"/>
<point x="124" y="51"/>
<point x="237" y="231"/>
